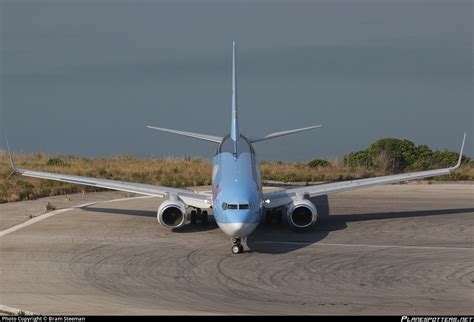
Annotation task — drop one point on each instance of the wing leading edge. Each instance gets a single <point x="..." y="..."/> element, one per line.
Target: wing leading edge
<point x="280" y="198"/>
<point x="189" y="197"/>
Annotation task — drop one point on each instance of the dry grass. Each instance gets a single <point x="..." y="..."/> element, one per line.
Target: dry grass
<point x="167" y="172"/>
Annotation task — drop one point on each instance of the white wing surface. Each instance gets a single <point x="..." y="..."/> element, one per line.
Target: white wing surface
<point x="189" y="197"/>
<point x="283" y="197"/>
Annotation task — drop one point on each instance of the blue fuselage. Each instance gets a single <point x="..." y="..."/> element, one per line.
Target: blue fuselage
<point x="236" y="188"/>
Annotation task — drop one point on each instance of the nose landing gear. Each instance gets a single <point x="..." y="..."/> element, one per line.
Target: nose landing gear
<point x="237" y="247"/>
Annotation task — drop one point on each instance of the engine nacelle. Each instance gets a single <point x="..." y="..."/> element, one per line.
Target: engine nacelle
<point x="172" y="214"/>
<point x="301" y="213"/>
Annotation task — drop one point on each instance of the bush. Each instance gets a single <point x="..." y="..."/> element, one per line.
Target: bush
<point x="394" y="155"/>
<point x="424" y="158"/>
<point x="105" y="174"/>
<point x="384" y="161"/>
<point x="50" y="207"/>
<point x="27" y="190"/>
<point x="56" y="161"/>
<point x="318" y="163"/>
<point x="140" y="177"/>
<point x="357" y="159"/>
<point x="401" y="153"/>
<point x="446" y="159"/>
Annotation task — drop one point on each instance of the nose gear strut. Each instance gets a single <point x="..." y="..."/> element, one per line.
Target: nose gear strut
<point x="237" y="247"/>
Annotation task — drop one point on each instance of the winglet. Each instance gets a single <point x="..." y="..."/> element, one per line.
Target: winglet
<point x="460" y="153"/>
<point x="15" y="169"/>
<point x="11" y="156"/>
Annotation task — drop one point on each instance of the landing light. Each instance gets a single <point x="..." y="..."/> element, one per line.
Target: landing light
<point x="267" y="201"/>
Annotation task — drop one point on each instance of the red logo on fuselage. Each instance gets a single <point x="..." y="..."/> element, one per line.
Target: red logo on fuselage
<point x="216" y="192"/>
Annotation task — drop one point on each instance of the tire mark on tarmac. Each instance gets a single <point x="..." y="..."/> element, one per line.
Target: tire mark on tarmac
<point x="60" y="211"/>
<point x="366" y="245"/>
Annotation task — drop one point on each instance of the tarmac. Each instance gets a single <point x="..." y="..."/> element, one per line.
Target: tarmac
<point x="398" y="249"/>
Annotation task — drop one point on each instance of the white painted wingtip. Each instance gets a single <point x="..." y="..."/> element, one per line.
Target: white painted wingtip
<point x="12" y="162"/>
<point x="460" y="153"/>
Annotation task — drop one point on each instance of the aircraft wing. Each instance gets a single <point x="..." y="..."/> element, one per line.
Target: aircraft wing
<point x="283" y="197"/>
<point x="189" y="197"/>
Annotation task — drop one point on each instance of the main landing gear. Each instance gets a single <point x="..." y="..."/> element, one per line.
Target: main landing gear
<point x="274" y="216"/>
<point x="198" y="215"/>
<point x="237" y="247"/>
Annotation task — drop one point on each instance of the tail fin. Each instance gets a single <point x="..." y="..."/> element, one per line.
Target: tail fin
<point x="234" y="132"/>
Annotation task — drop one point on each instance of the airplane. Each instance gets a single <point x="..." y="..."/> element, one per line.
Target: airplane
<point x="238" y="201"/>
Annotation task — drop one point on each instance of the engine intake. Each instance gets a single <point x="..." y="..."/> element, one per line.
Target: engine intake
<point x="172" y="214"/>
<point x="302" y="214"/>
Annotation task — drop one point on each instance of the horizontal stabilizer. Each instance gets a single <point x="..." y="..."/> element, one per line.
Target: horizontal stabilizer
<point x="205" y="137"/>
<point x="253" y="139"/>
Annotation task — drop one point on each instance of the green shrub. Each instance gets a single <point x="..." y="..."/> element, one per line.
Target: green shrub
<point x="26" y="191"/>
<point x="423" y="160"/>
<point x="50" y="207"/>
<point x="287" y="177"/>
<point x="56" y="161"/>
<point x="446" y="159"/>
<point x="357" y="159"/>
<point x="105" y="174"/>
<point x="200" y="181"/>
<point x="318" y="163"/>
<point x="394" y="155"/>
<point x="140" y="177"/>
<point x="401" y="153"/>
<point x="167" y="180"/>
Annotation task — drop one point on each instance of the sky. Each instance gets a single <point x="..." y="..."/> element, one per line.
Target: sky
<point x="86" y="77"/>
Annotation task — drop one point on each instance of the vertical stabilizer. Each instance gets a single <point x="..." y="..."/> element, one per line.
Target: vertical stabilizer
<point x="234" y="132"/>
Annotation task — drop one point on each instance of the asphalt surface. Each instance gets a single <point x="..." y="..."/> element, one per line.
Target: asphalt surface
<point x="398" y="249"/>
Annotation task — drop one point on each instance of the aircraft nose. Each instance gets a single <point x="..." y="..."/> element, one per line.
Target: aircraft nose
<point x="238" y="229"/>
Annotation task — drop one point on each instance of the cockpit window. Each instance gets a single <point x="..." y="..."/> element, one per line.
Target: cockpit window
<point x="226" y="206"/>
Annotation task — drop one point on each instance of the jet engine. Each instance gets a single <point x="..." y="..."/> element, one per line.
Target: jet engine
<point x="172" y="214"/>
<point x="301" y="214"/>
